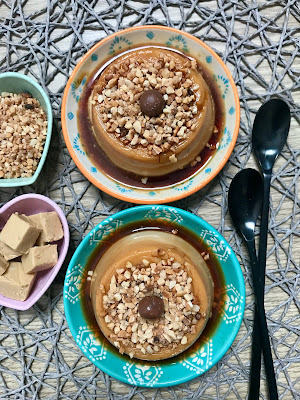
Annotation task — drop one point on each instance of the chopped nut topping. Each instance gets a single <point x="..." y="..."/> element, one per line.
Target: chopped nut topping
<point x="23" y="130"/>
<point x="167" y="279"/>
<point x="118" y="102"/>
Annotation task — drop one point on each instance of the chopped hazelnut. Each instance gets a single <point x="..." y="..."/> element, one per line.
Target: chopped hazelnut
<point x="173" y="322"/>
<point x="120" y="107"/>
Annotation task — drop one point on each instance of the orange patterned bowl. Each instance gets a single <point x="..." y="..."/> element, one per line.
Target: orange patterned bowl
<point x="153" y="192"/>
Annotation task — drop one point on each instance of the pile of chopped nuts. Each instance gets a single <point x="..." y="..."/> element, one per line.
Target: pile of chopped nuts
<point x="120" y="111"/>
<point x="168" y="279"/>
<point x="23" y="129"/>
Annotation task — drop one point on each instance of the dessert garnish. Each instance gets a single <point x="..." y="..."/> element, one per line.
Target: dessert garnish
<point x="151" y="307"/>
<point x="23" y="132"/>
<point x="152" y="102"/>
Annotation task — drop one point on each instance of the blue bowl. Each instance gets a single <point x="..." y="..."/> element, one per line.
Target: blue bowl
<point x="14" y="82"/>
<point x="212" y="344"/>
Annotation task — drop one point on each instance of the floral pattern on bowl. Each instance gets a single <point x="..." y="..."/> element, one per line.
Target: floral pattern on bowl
<point x="125" y="40"/>
<point x="190" y="364"/>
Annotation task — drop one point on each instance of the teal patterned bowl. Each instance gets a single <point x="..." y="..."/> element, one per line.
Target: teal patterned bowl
<point x="127" y="39"/>
<point x="212" y="344"/>
<point x="13" y="82"/>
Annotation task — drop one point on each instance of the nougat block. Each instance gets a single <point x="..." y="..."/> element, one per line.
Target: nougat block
<point x="40" y="258"/>
<point x="35" y="218"/>
<point x="15" y="283"/>
<point x="8" y="253"/>
<point x="19" y="233"/>
<point x="50" y="225"/>
<point x="3" y="265"/>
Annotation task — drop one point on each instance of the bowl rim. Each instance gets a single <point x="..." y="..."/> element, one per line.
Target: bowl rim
<point x="30" y="301"/>
<point x="122" y="196"/>
<point x="228" y="341"/>
<point x="14" y="182"/>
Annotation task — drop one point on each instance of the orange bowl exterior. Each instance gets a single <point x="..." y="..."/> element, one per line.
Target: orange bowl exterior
<point x="123" y="196"/>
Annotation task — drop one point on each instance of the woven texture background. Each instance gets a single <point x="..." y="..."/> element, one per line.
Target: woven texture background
<point x="259" y="41"/>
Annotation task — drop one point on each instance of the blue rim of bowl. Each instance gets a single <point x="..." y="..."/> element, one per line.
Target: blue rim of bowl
<point x="13" y="182"/>
<point x="196" y="219"/>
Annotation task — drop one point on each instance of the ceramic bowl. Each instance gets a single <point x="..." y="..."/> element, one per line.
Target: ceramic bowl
<point x="14" y="82"/>
<point x="29" y="204"/>
<point x="110" y="47"/>
<point x="212" y="344"/>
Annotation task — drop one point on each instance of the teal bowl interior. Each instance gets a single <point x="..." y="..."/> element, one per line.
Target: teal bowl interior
<point x="214" y="341"/>
<point x="14" y="82"/>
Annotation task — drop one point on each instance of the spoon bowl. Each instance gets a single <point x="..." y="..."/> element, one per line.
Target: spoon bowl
<point x="245" y="201"/>
<point x="270" y="131"/>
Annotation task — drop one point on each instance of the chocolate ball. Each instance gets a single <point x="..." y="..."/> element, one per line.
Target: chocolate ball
<point x="151" y="307"/>
<point x="152" y="102"/>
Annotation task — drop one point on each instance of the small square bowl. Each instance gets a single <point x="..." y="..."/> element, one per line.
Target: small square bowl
<point x="29" y="204"/>
<point x="14" y="82"/>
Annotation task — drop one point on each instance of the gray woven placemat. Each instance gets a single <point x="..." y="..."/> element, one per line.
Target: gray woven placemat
<point x="259" y="41"/>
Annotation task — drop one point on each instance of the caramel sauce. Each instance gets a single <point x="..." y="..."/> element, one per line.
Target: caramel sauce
<point x="99" y="158"/>
<point x="212" y="263"/>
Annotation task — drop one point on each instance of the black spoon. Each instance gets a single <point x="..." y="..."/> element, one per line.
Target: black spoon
<point x="245" y="203"/>
<point x="270" y="131"/>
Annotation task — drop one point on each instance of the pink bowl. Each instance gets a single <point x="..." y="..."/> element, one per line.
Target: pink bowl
<point x="32" y="204"/>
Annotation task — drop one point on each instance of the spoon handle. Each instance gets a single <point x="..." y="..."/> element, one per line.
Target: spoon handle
<point x="256" y="342"/>
<point x="264" y="336"/>
<point x="264" y="226"/>
<point x="254" y="385"/>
